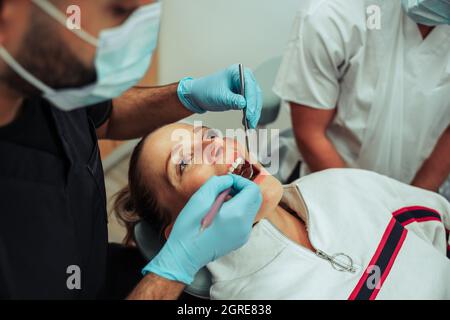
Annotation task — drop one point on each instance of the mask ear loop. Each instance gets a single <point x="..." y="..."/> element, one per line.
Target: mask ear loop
<point x="56" y="14"/>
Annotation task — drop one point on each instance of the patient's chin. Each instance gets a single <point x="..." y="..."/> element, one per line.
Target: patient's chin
<point x="272" y="192"/>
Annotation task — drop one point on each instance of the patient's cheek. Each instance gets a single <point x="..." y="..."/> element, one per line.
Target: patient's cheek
<point x="198" y="176"/>
<point x="196" y="180"/>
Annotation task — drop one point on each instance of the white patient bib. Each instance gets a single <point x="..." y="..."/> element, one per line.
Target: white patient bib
<point x="369" y="218"/>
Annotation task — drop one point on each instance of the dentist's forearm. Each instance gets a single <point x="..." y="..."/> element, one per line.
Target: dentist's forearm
<point x="142" y="110"/>
<point x="153" y="287"/>
<point x="310" y="129"/>
<point x="319" y="153"/>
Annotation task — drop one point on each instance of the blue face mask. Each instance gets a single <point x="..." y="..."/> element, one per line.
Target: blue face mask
<point x="122" y="59"/>
<point x="428" y="12"/>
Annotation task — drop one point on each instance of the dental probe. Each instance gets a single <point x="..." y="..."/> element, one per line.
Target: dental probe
<point x="209" y="217"/>
<point x="244" y="120"/>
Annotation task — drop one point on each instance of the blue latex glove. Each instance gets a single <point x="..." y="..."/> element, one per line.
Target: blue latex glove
<point x="221" y="92"/>
<point x="187" y="250"/>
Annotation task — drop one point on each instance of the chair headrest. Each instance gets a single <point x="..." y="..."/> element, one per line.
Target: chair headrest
<point x="266" y="74"/>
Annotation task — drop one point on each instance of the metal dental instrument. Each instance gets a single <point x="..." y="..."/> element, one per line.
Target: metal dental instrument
<point x="211" y="214"/>
<point x="244" y="120"/>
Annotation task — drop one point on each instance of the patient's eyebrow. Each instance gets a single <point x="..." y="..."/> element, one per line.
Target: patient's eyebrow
<point x="202" y="128"/>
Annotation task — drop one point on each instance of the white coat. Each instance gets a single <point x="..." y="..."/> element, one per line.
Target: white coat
<point x="390" y="87"/>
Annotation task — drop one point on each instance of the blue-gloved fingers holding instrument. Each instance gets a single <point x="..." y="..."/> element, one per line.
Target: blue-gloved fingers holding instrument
<point x="221" y="92"/>
<point x="187" y="250"/>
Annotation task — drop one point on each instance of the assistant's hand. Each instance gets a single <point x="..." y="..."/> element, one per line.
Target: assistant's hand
<point x="221" y="92"/>
<point x="187" y="250"/>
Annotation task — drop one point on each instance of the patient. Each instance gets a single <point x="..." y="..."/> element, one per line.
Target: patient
<point x="159" y="189"/>
<point x="344" y="213"/>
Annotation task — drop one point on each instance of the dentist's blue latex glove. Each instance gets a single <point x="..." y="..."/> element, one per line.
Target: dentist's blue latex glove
<point x="187" y="250"/>
<point x="221" y="92"/>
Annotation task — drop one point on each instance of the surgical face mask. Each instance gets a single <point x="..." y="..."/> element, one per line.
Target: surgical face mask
<point x="122" y="59"/>
<point x="428" y="12"/>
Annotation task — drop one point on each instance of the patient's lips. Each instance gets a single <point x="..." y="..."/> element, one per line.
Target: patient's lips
<point x="247" y="170"/>
<point x="261" y="177"/>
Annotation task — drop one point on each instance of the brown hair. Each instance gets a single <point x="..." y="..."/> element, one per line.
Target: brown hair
<point x="137" y="201"/>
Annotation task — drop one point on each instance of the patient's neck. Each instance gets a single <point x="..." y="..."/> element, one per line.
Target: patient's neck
<point x="292" y="227"/>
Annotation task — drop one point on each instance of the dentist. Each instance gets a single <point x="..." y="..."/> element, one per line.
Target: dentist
<point x="60" y="91"/>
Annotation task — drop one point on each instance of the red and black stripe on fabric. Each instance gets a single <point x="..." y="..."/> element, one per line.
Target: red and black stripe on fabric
<point x="384" y="258"/>
<point x="420" y="214"/>
<point x="388" y="249"/>
<point x="409" y="215"/>
<point x="447" y="236"/>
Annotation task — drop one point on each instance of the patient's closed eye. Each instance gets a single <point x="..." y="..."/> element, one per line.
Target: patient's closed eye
<point x="182" y="166"/>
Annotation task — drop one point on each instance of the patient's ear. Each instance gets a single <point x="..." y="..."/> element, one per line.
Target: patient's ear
<point x="168" y="230"/>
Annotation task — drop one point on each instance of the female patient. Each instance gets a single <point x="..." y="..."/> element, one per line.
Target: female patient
<point x="338" y="234"/>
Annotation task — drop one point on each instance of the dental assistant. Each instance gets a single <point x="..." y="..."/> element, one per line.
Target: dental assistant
<point x="368" y="83"/>
<point x="60" y="91"/>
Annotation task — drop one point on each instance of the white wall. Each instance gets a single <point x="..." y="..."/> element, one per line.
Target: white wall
<point x="199" y="37"/>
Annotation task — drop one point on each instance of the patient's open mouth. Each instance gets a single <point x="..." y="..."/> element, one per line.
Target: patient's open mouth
<point x="245" y="170"/>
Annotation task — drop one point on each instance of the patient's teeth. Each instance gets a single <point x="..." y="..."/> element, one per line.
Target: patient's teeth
<point x="236" y="164"/>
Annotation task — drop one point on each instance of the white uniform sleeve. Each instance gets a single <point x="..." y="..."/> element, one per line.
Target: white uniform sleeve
<point x="396" y="196"/>
<point x="411" y="196"/>
<point x="325" y="36"/>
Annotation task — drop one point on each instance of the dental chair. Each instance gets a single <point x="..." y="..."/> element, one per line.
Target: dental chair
<point x="147" y="238"/>
<point x="149" y="244"/>
<point x="265" y="74"/>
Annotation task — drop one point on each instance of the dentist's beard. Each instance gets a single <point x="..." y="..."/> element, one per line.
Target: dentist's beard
<point x="45" y="55"/>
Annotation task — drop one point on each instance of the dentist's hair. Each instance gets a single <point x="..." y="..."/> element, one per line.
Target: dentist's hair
<point x="137" y="201"/>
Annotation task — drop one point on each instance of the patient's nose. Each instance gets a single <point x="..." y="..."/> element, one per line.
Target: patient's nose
<point x="213" y="150"/>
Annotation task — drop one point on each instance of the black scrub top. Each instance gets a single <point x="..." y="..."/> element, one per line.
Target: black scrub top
<point x="52" y="203"/>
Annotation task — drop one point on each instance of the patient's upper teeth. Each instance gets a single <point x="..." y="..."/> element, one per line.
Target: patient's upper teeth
<point x="236" y="164"/>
